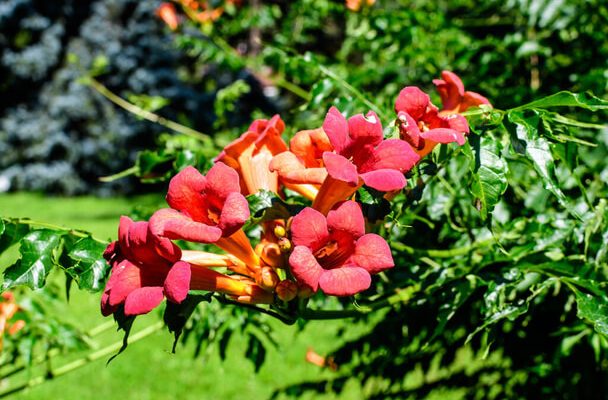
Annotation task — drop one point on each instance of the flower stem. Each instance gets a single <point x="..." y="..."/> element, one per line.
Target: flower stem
<point x="140" y="112"/>
<point x="74" y="365"/>
<point x="74" y="232"/>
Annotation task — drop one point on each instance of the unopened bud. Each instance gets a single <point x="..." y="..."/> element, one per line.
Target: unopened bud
<point x="287" y="290"/>
<point x="304" y="291"/>
<point x="271" y="255"/>
<point x="267" y="278"/>
<point x="279" y="231"/>
<point x="285" y="245"/>
<point x="259" y="248"/>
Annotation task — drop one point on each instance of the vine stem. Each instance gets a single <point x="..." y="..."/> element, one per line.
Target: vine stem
<point x="145" y="114"/>
<point x="275" y="313"/>
<point x="75" y="232"/>
<point x="401" y="296"/>
<point x="55" y="352"/>
<point x="74" y="365"/>
<point x="326" y="71"/>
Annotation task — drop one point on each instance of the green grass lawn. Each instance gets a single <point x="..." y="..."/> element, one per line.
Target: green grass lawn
<point x="148" y="369"/>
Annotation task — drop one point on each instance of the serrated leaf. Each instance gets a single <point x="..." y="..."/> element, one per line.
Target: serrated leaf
<point x="176" y="315"/>
<point x="594" y="309"/>
<point x="12" y="233"/>
<point x="38" y="256"/>
<point x="488" y="172"/>
<point x="89" y="268"/>
<point x="567" y="99"/>
<point x="537" y="150"/>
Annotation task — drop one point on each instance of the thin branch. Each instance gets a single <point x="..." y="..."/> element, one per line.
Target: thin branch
<point x="74" y="365"/>
<point x="140" y="112"/>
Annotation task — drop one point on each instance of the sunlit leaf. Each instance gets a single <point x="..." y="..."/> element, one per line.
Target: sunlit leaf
<point x="89" y="268"/>
<point x="488" y="172"/>
<point x="38" y="255"/>
<point x="567" y="99"/>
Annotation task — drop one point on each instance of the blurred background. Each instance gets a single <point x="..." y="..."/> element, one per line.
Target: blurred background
<point x="82" y="82"/>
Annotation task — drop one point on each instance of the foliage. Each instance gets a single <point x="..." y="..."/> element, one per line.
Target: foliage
<point x="500" y="245"/>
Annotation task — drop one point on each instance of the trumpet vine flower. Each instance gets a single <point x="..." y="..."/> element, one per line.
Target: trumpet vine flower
<point x="146" y="269"/>
<point x="303" y="163"/>
<point x="422" y="126"/>
<point x="333" y="253"/>
<point x="251" y="154"/>
<point x="453" y="96"/>
<point x="361" y="156"/>
<point x="206" y="209"/>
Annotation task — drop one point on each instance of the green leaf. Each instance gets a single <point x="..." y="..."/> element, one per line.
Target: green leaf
<point x="12" y="233"/>
<point x="528" y="141"/>
<point x="266" y="206"/>
<point x="154" y="166"/>
<point x="256" y="352"/>
<point x="489" y="172"/>
<point x="567" y="99"/>
<point x="38" y="255"/>
<point x="176" y="315"/>
<point x="124" y="323"/>
<point x="593" y="309"/>
<point x="375" y="206"/>
<point x="1" y="227"/>
<point x="89" y="268"/>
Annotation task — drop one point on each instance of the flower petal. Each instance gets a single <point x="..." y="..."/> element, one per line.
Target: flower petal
<point x="221" y="181"/>
<point x="336" y="128"/>
<point x="472" y="99"/>
<point x="451" y="90"/>
<point x="309" y="146"/>
<point x="457" y="122"/>
<point x="444" y="135"/>
<point x="177" y="283"/>
<point x="413" y="101"/>
<point x="408" y="129"/>
<point x="347" y="217"/>
<point x="373" y="253"/>
<point x="384" y="180"/>
<point x="126" y="281"/>
<point x="292" y="170"/>
<point x="234" y="214"/>
<point x="143" y="300"/>
<point x="309" y="228"/>
<point x="305" y="267"/>
<point x="340" y="168"/>
<point x="185" y="193"/>
<point x="344" y="281"/>
<point x="175" y="225"/>
<point x="365" y="129"/>
<point x="395" y="154"/>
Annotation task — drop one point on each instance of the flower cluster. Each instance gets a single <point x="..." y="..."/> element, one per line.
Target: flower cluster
<point x="324" y="247"/>
<point x="8" y="309"/>
<point x="201" y="11"/>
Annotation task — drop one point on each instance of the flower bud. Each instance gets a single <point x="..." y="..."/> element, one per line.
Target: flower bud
<point x="279" y="231"/>
<point x="304" y="291"/>
<point x="287" y="290"/>
<point x="285" y="245"/>
<point x="267" y="278"/>
<point x="271" y="255"/>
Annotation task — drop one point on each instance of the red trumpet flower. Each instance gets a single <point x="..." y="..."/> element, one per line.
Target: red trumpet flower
<point x="361" y="156"/>
<point x="334" y="253"/>
<point x="421" y="125"/>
